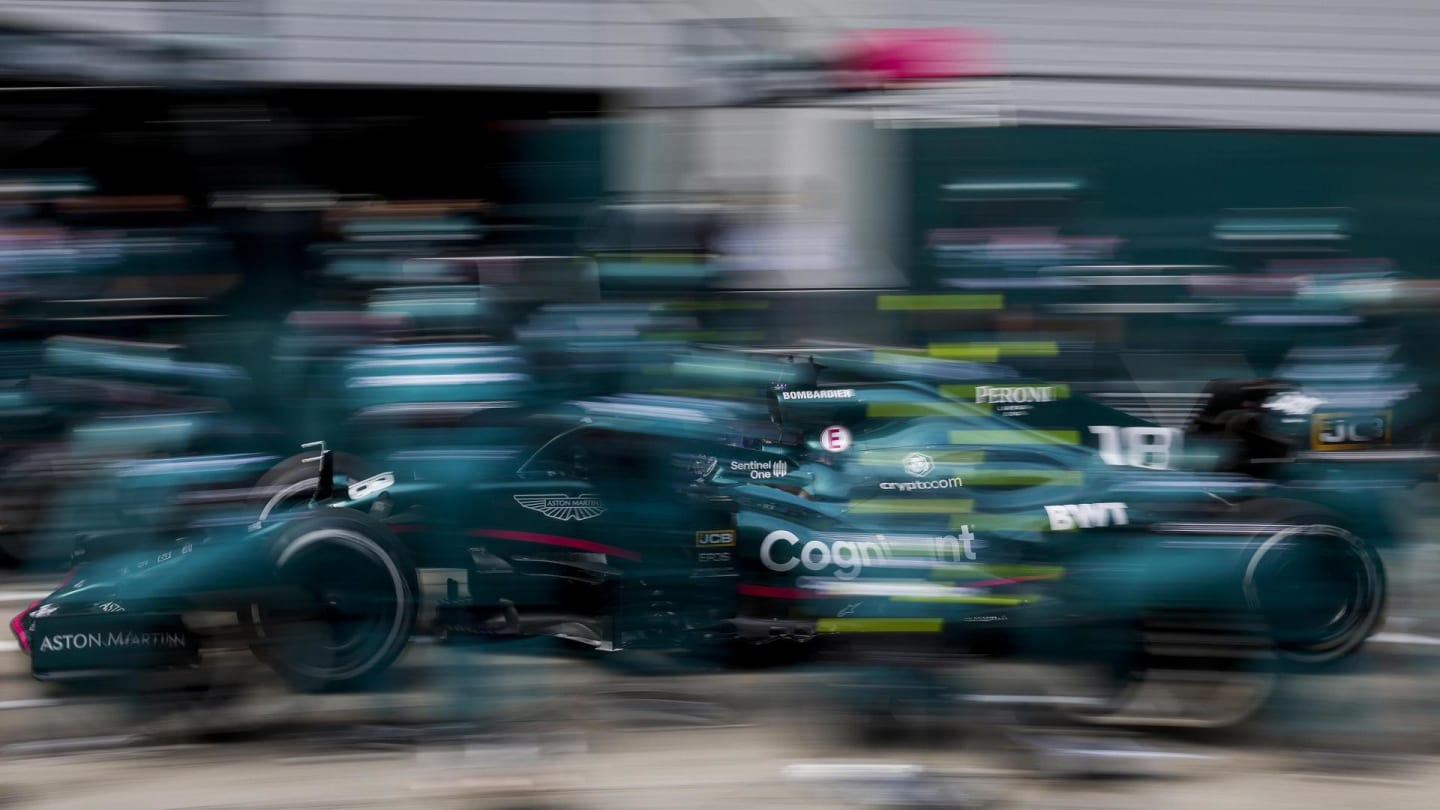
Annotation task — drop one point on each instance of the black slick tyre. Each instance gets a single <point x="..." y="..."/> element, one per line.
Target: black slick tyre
<point x="343" y="603"/>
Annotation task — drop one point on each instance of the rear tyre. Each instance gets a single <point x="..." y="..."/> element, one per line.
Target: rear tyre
<point x="1312" y="591"/>
<point x="1321" y="589"/>
<point x="344" y="604"/>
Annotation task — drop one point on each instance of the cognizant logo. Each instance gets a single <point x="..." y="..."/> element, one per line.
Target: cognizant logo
<point x="782" y="551"/>
<point x="847" y="556"/>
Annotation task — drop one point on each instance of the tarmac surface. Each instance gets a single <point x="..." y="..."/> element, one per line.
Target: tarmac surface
<point x="724" y="766"/>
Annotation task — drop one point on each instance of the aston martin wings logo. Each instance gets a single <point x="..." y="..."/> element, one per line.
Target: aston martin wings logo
<point x="563" y="507"/>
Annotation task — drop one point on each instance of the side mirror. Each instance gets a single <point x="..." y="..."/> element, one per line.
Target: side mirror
<point x="325" y="483"/>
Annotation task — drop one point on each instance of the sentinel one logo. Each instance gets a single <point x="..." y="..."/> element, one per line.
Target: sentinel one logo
<point x="998" y="394"/>
<point x="563" y="507"/>
<point x="1086" y="516"/>
<point x="782" y="551"/>
<point x="777" y="468"/>
<point x="828" y="393"/>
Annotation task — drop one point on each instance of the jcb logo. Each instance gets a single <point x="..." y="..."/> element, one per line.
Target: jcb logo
<point x="1349" y="431"/>
<point x="715" y="538"/>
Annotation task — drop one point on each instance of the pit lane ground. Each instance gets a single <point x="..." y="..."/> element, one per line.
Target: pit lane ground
<point x="532" y="726"/>
<point x="767" y="764"/>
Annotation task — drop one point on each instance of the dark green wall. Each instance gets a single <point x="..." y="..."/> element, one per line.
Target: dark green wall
<point x="1163" y="190"/>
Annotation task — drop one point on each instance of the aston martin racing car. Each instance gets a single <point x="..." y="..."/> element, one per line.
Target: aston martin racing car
<point x="809" y="512"/>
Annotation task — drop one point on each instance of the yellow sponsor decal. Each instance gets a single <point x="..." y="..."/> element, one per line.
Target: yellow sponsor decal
<point x="897" y="355"/>
<point x="911" y="410"/>
<point x="923" y="303"/>
<point x="912" y="506"/>
<point x="1010" y="523"/>
<point x="879" y="625"/>
<point x="889" y="459"/>
<point x="971" y="573"/>
<point x="959" y="351"/>
<point x="994" y="349"/>
<point x="1024" y="478"/>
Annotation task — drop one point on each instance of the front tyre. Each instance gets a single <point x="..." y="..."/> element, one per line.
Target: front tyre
<point x="343" y="606"/>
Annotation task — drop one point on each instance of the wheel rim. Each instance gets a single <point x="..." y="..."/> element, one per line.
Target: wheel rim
<point x="346" y="607"/>
<point x="1317" y="587"/>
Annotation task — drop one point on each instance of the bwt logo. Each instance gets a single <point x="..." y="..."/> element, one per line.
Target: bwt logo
<point x="714" y="539"/>
<point x="1086" y="516"/>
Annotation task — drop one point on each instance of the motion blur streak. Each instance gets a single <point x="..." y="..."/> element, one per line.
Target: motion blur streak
<point x="593" y="403"/>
